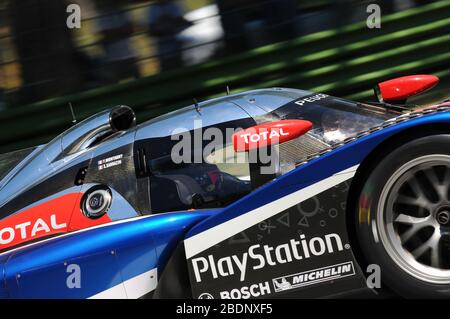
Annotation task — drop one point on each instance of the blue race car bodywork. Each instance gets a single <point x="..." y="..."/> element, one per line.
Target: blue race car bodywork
<point x="108" y="258"/>
<point x="290" y="234"/>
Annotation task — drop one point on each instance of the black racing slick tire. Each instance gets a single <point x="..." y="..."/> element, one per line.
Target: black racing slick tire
<point x="403" y="218"/>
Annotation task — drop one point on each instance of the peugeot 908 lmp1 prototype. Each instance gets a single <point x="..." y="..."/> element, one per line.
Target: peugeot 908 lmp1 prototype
<point x="267" y="193"/>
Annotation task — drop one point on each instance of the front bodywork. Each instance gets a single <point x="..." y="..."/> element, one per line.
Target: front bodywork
<point x="282" y="236"/>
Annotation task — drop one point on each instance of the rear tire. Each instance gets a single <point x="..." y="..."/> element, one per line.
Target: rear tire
<point x="403" y="218"/>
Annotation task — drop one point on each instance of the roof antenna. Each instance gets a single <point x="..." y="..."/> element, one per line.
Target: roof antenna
<point x="228" y="90"/>
<point x="74" y="120"/>
<point x="197" y="107"/>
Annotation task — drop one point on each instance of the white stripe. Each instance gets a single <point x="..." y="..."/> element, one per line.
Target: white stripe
<point x="132" y="288"/>
<point x="141" y="285"/>
<point x="374" y="231"/>
<point x="116" y="292"/>
<point x="210" y="237"/>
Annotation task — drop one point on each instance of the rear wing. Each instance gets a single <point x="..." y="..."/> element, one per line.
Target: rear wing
<point x="398" y="90"/>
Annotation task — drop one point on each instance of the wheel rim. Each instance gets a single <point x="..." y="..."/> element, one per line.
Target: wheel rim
<point x="414" y="218"/>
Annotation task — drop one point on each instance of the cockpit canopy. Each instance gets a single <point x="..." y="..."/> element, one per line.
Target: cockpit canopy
<point x="189" y="157"/>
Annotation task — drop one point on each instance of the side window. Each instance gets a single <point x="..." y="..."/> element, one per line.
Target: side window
<point x="230" y="162"/>
<point x="195" y="186"/>
<point x="200" y="173"/>
<point x="220" y="179"/>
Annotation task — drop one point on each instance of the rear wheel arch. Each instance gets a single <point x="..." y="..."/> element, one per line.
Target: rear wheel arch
<point x="366" y="167"/>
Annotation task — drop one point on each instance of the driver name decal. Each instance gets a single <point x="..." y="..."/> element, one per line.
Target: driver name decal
<point x="110" y="162"/>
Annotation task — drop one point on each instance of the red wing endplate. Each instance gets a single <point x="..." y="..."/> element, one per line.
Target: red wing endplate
<point x="399" y="89"/>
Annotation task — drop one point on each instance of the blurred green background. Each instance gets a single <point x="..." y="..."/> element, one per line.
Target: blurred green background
<point x="156" y="56"/>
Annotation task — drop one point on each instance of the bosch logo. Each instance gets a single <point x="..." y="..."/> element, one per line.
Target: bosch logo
<point x="246" y="292"/>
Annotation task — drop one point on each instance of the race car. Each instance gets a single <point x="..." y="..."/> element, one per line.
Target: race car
<point x="270" y="193"/>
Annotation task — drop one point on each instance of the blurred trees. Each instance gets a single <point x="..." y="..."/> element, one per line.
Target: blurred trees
<point x="44" y="47"/>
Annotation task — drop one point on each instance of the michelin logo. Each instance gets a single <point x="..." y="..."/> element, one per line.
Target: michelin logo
<point x="258" y="256"/>
<point x="311" y="277"/>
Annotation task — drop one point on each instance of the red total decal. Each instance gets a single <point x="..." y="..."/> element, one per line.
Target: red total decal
<point x="406" y="86"/>
<point x="49" y="218"/>
<point x="269" y="133"/>
<point x="54" y="216"/>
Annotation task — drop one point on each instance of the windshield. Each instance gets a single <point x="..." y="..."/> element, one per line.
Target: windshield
<point x="334" y="119"/>
<point x="9" y="160"/>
